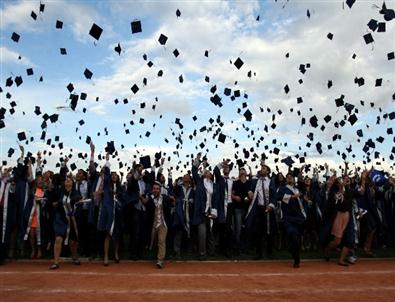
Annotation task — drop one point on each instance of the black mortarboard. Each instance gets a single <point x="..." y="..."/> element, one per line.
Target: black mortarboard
<point x="329" y="84"/>
<point x="9" y="82"/>
<point x="339" y="102"/>
<point x="178" y="13"/>
<point x="33" y="15"/>
<point x="176" y="53"/>
<point x="110" y="147"/>
<point x="63" y="51"/>
<point x="118" y="49"/>
<point x="352" y="119"/>
<point x="314" y="121"/>
<point x="70" y="87"/>
<point x="248" y="115"/>
<point x="29" y="71"/>
<point x="18" y="81"/>
<point x="150" y="64"/>
<point x="390" y="55"/>
<point x="37" y="110"/>
<point x="288" y="161"/>
<point x="180" y="79"/>
<point x="21" y="136"/>
<point x="221" y="138"/>
<point x="276" y="150"/>
<point x="73" y="166"/>
<point x="88" y="74"/>
<point x="206" y="53"/>
<point x="136" y="26"/>
<point x="96" y="31"/>
<point x="381" y="27"/>
<point x="373" y="24"/>
<point x="350" y="3"/>
<point x="162" y="39"/>
<point x="59" y="24"/>
<point x="368" y="38"/>
<point x="327" y="118"/>
<point x="378" y="82"/>
<point x="54" y="118"/>
<point x="238" y="63"/>
<point x="88" y="139"/>
<point x="42" y="7"/>
<point x="145" y="161"/>
<point x="286" y="89"/>
<point x="330" y="36"/>
<point x="15" y="37"/>
<point x="134" y="88"/>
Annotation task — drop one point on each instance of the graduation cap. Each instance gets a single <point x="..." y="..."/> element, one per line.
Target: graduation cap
<point x="390" y="56"/>
<point x="42" y="7"/>
<point x="145" y="161"/>
<point x="330" y="36"/>
<point x="18" y="81"/>
<point x="88" y="74"/>
<point x="33" y="15"/>
<point x="59" y="24"/>
<point x="288" y="161"/>
<point x="286" y="89"/>
<point x="134" y="88"/>
<point x="162" y="39"/>
<point x="176" y="53"/>
<point x="37" y="110"/>
<point x="352" y="119"/>
<point x="314" y="121"/>
<point x="88" y="139"/>
<point x="206" y="53"/>
<point x="221" y="138"/>
<point x="73" y="166"/>
<point x="21" y="136"/>
<point x="368" y="38"/>
<point x="63" y="51"/>
<point x="118" y="49"/>
<point x="96" y="31"/>
<point x="373" y="24"/>
<point x="110" y="147"/>
<point x="327" y="118"/>
<point x="378" y="82"/>
<point x="248" y="115"/>
<point x="178" y="13"/>
<point x="136" y="27"/>
<point x="15" y="37"/>
<point x="238" y="63"/>
<point x="350" y="3"/>
<point x="180" y="79"/>
<point x="29" y="71"/>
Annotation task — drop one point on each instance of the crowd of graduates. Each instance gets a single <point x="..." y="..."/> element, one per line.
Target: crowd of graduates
<point x="205" y="212"/>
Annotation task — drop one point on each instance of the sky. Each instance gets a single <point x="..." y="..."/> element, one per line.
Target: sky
<point x="290" y="51"/>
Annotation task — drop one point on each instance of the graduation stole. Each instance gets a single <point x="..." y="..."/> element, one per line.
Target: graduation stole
<point x="36" y="209"/>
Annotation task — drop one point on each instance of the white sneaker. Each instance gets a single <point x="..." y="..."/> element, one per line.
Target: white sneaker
<point x="159" y="264"/>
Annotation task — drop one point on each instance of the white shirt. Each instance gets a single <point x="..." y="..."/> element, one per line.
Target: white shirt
<point x="263" y="189"/>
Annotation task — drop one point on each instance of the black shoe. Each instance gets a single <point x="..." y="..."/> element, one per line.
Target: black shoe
<point x="105" y="264"/>
<point x="76" y="262"/>
<point x="117" y="260"/>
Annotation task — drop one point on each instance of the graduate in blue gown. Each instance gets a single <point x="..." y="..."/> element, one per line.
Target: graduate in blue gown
<point x="294" y="216"/>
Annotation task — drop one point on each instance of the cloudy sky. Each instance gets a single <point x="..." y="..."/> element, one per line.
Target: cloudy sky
<point x="287" y="56"/>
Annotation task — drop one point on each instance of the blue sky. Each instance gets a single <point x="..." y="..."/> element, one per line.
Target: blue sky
<point x="228" y="29"/>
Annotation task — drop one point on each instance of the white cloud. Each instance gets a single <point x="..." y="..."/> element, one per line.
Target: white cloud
<point x="10" y="56"/>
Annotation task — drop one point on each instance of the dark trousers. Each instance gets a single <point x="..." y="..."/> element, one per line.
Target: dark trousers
<point x="138" y="233"/>
<point x="263" y="231"/>
<point x="83" y="231"/>
<point x="294" y="234"/>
